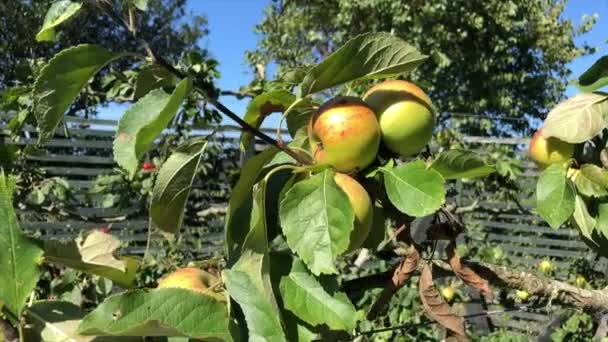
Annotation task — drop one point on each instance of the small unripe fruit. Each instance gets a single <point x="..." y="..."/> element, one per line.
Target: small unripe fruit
<point x="362" y="207"/>
<point x="545" y="266"/>
<point x="545" y="152"/>
<point x="193" y="279"/>
<point x="448" y="293"/>
<point x="523" y="295"/>
<point x="405" y="115"/>
<point x="344" y="133"/>
<point x="148" y="166"/>
<point x="580" y="280"/>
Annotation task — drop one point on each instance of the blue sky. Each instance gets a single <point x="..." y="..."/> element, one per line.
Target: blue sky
<point x="231" y="24"/>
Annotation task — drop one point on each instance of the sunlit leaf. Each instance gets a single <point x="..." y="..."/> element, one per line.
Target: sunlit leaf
<point x="317" y="220"/>
<point x="60" y="81"/>
<point x="367" y="56"/>
<point x="161" y="312"/>
<point x="414" y="189"/>
<point x="578" y="118"/>
<point x="456" y="164"/>
<point x="96" y="255"/>
<point x="143" y="122"/>
<point x="19" y="256"/>
<point x="555" y="195"/>
<point x="59" y="12"/>
<point x="306" y="298"/>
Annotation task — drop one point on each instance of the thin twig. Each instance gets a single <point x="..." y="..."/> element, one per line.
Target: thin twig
<point x="108" y="10"/>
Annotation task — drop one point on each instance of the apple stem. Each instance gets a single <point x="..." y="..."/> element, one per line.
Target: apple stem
<point x="201" y="89"/>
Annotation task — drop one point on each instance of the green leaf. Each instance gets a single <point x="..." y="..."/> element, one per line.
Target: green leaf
<point x="263" y="105"/>
<point x="299" y="117"/>
<point x="595" y="77"/>
<point x="173" y="186"/>
<point x="367" y="56"/>
<point x="257" y="237"/>
<point x="555" y="195"/>
<point x="61" y="80"/>
<point x="57" y="321"/>
<point x="95" y="255"/>
<point x="151" y="77"/>
<point x="299" y="144"/>
<point x="455" y="164"/>
<point x="578" y="118"/>
<point x="296" y="75"/>
<point x="595" y="174"/>
<point x="306" y="298"/>
<point x="160" y="312"/>
<point x="241" y="202"/>
<point x="141" y="5"/>
<point x="602" y="219"/>
<point x="143" y="122"/>
<point x="58" y="13"/>
<point x="317" y="220"/>
<point x="414" y="189"/>
<point x="19" y="256"/>
<point x="248" y="283"/>
<point x="588" y="186"/>
<point x="582" y="219"/>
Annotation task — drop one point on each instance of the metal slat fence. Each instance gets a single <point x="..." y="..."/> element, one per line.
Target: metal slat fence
<point x="86" y="152"/>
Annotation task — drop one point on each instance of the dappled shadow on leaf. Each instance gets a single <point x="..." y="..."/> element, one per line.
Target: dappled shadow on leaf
<point x="466" y="274"/>
<point x="437" y="308"/>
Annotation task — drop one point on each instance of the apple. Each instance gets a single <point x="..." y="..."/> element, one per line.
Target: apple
<point x="448" y="293"/>
<point x="148" y="166"/>
<point x="194" y="279"/>
<point x="405" y="115"/>
<point x="362" y="207"/>
<point x="580" y="280"/>
<point x="546" y="151"/>
<point x="344" y="133"/>
<point x="522" y="295"/>
<point x="545" y="266"/>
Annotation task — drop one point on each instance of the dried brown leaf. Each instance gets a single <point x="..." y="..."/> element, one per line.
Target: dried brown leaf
<point x="407" y="267"/>
<point x="466" y="274"/>
<point x="437" y="308"/>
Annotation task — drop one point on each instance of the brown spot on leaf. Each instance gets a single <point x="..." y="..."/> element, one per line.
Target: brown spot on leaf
<point x="437" y="308"/>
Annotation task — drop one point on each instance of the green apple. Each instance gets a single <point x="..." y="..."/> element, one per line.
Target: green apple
<point x="545" y="266"/>
<point x="194" y="279"/>
<point x="345" y="134"/>
<point x="448" y="293"/>
<point x="362" y="207"/>
<point x="405" y="115"/>
<point x="580" y="280"/>
<point x="546" y="151"/>
<point x="522" y="295"/>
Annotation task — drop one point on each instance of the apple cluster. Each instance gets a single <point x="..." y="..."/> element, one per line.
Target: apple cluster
<point x="346" y="133"/>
